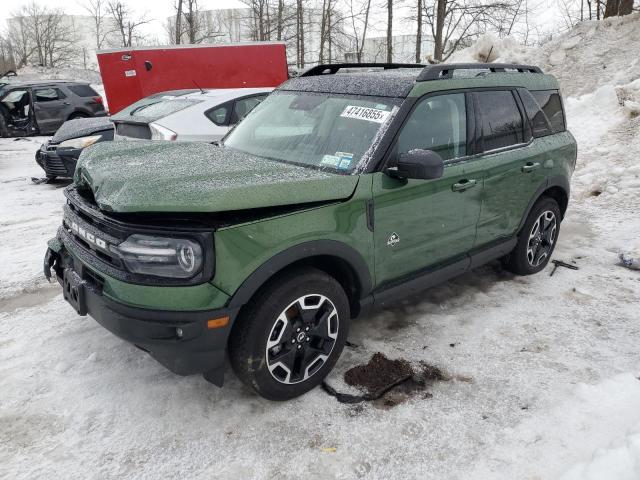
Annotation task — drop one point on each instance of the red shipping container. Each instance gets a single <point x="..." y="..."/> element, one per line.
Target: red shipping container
<point x="134" y="73"/>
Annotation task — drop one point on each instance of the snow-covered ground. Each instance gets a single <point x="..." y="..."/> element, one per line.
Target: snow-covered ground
<point x="544" y="369"/>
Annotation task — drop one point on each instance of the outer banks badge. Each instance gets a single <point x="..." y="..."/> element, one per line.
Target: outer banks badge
<point x="393" y="240"/>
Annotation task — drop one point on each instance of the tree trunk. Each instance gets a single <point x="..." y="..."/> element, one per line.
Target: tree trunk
<point x="300" y="34"/>
<point x="389" y="31"/>
<point x="323" y="27"/>
<point x="279" y="26"/>
<point x="438" y="49"/>
<point x="364" y="31"/>
<point x="179" y="22"/>
<point x="625" y="7"/>
<point x="419" y="33"/>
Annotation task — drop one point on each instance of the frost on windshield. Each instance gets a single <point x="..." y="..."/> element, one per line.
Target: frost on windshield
<point x="363" y="163"/>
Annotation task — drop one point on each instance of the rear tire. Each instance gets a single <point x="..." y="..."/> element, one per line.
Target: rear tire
<point x="537" y="239"/>
<point x="289" y="337"/>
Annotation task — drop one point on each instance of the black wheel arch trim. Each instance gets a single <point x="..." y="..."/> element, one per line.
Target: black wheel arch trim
<point x="556" y="181"/>
<point x="302" y="251"/>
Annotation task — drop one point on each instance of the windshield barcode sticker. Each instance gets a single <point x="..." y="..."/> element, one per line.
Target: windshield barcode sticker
<point x="364" y="113"/>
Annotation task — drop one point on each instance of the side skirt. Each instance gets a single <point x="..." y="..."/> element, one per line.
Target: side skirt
<point x="434" y="276"/>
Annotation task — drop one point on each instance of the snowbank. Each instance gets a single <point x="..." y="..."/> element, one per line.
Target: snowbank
<point x="492" y="49"/>
<point x="591" y="55"/>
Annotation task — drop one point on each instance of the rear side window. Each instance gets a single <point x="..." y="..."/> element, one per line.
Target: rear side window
<point x="540" y="125"/>
<point x="501" y="120"/>
<point x="48" y="94"/>
<point x="549" y="101"/>
<point x="83" y="90"/>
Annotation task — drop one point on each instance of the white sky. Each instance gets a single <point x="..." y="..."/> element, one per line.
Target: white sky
<point x="545" y="13"/>
<point x="156" y="10"/>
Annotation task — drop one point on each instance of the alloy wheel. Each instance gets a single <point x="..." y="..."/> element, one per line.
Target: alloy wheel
<point x="302" y="338"/>
<point x="541" y="238"/>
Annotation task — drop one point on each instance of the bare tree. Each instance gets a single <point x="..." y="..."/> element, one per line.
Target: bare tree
<point x="97" y="10"/>
<point x="359" y="24"/>
<point x="618" y="8"/>
<point x="43" y="36"/>
<point x="419" y="32"/>
<point x="389" y="31"/>
<point x="127" y="27"/>
<point x="20" y="40"/>
<point x="7" y="60"/>
<point x="454" y="23"/>
<point x="300" y="44"/>
<point x="178" y="26"/>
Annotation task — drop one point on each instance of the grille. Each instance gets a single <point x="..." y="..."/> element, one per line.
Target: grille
<point x="54" y="166"/>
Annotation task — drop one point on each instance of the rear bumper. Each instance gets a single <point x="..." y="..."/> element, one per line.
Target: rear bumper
<point x="181" y="341"/>
<point x="56" y="165"/>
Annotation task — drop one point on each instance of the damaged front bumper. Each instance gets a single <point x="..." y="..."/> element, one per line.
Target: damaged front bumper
<point x="185" y="342"/>
<point x="57" y="163"/>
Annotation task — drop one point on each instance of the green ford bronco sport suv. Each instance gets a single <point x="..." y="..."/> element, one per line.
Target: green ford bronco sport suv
<point x="340" y="191"/>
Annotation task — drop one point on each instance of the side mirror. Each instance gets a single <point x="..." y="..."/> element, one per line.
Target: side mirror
<point x="418" y="164"/>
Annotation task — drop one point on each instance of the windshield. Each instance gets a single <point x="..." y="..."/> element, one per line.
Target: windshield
<point x="315" y="130"/>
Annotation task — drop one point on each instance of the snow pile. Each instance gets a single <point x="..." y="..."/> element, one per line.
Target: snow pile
<point x="492" y="49"/>
<point x="596" y="414"/>
<point x="620" y="463"/>
<point x="593" y="54"/>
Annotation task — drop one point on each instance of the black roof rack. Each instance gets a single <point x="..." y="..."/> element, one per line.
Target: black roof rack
<point x="332" y="68"/>
<point x="444" y="70"/>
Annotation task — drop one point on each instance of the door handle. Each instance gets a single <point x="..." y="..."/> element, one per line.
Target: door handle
<point x="66" y="103"/>
<point x="463" y="185"/>
<point x="530" y="167"/>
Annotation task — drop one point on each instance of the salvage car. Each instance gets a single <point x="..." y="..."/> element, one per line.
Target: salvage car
<point x="339" y="192"/>
<point x="187" y="115"/>
<point x="59" y="155"/>
<point x="41" y="107"/>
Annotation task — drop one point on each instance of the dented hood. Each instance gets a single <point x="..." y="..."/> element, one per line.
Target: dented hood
<point x="192" y="177"/>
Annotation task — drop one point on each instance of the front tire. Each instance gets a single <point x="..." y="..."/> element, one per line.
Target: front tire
<point x="291" y="334"/>
<point x="537" y="239"/>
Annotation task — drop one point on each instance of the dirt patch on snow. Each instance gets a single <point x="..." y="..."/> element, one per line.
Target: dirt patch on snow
<point x="389" y="382"/>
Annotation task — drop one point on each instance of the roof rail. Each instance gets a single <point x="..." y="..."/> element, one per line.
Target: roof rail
<point x="444" y="70"/>
<point x="332" y="68"/>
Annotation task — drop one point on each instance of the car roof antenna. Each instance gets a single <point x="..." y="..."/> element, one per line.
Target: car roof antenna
<point x="199" y="87"/>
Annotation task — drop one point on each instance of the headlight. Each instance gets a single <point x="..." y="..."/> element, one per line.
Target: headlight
<point x="160" y="256"/>
<point x="82" y="142"/>
<point x="158" y="132"/>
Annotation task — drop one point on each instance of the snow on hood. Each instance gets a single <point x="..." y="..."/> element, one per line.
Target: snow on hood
<point x="156" y="176"/>
<point x="81" y="127"/>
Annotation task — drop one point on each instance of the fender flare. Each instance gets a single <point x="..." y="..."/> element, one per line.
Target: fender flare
<point x="299" y="252"/>
<point x="556" y="181"/>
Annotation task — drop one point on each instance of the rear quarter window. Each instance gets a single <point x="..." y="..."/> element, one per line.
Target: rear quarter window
<point x="540" y="125"/>
<point x="83" y="90"/>
<point x="551" y="105"/>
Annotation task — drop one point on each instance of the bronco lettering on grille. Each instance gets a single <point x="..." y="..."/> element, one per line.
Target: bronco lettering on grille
<point x="89" y="237"/>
